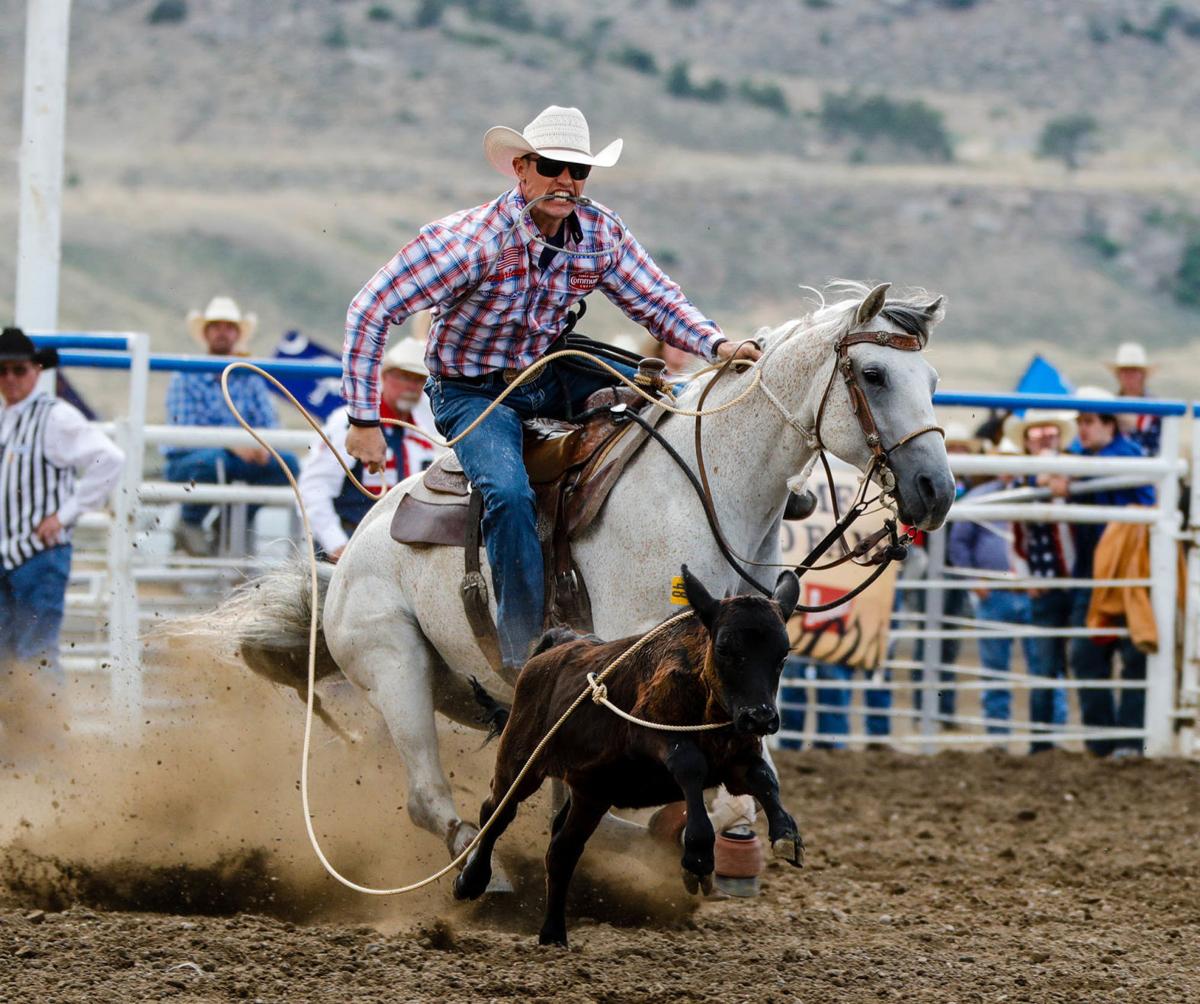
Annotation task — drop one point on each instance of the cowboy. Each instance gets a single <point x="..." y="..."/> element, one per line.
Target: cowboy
<point x="335" y="506"/>
<point x="54" y="467"/>
<point x="1048" y="551"/>
<point x="196" y="399"/>
<point x="501" y="286"/>
<point x="1131" y="367"/>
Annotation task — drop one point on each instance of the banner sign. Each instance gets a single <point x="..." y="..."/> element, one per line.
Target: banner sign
<point x="853" y="633"/>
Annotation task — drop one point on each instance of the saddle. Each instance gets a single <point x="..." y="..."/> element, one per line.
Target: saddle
<point x="572" y="468"/>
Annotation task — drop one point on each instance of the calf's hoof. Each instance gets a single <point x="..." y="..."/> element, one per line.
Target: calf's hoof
<point x="695" y="884"/>
<point x="472" y="881"/>
<point x="791" y="849"/>
<point x="552" y="935"/>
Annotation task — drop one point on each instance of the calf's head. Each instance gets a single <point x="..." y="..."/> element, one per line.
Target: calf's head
<point x="747" y="644"/>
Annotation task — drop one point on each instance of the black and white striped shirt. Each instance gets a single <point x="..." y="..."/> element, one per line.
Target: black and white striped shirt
<point x="52" y="462"/>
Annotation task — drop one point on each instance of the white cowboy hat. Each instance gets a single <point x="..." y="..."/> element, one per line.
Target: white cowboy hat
<point x="957" y="432"/>
<point x="557" y="133"/>
<point x="408" y="355"/>
<point x="1015" y="426"/>
<point x="223" y="308"/>
<point x="1130" y="355"/>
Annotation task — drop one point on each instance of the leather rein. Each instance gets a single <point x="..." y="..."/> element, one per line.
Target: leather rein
<point x="897" y="548"/>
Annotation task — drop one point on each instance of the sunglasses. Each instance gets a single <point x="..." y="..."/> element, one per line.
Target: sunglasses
<point x="548" y="168"/>
<point x="16" y="369"/>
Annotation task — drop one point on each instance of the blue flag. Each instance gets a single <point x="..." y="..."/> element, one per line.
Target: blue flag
<point x="1042" y="377"/>
<point x="321" y="395"/>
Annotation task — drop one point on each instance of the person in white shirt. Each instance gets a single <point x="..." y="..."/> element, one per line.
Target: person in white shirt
<point x="54" y="467"/>
<point x="334" y="505"/>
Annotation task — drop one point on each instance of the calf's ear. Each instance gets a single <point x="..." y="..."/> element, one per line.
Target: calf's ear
<point x="699" y="599"/>
<point x="787" y="592"/>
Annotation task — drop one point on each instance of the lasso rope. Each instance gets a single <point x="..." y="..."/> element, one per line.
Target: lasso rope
<point x="595" y="688"/>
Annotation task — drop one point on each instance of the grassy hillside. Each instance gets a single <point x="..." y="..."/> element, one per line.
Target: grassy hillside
<point x="282" y="151"/>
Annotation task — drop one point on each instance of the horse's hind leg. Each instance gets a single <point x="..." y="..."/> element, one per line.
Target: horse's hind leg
<point x="402" y="691"/>
<point x="576" y="821"/>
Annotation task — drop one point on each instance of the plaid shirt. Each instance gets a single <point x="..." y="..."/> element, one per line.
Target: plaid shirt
<point x="196" y="399"/>
<point x="519" y="311"/>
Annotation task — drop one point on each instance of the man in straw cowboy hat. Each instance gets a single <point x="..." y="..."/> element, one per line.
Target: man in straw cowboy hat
<point x="500" y="301"/>
<point x="1048" y="551"/>
<point x="335" y="506"/>
<point x="1131" y="367"/>
<point x="196" y="399"/>
<point x="54" y="467"/>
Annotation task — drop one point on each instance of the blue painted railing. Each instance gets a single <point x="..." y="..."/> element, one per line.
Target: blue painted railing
<point x="118" y="359"/>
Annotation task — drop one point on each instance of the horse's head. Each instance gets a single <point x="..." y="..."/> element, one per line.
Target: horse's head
<point x="872" y="403"/>
<point x="747" y="644"/>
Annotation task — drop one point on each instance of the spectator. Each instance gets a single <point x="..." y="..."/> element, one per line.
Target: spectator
<point x="833" y="703"/>
<point x="335" y="506"/>
<point x="986" y="549"/>
<point x="196" y="399"/>
<point x="1047" y="549"/>
<point x="54" y="467"/>
<point x="1131" y="368"/>
<point x="1092" y="658"/>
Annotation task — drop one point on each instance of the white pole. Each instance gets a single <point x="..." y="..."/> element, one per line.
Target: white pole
<point x="935" y="609"/>
<point x="39" y="239"/>
<point x="1160" y="667"/>
<point x="1189" y="676"/>
<point x="126" y="686"/>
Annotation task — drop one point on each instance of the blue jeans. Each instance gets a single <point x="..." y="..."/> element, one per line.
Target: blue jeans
<point x="1048" y="705"/>
<point x="32" y="597"/>
<point x="203" y="467"/>
<point x="492" y="459"/>
<point x="1011" y="607"/>
<point x="1093" y="660"/>
<point x="954" y="604"/>
<point x="835" y="722"/>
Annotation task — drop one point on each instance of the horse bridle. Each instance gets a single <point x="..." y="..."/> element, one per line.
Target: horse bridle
<point x="898" y="543"/>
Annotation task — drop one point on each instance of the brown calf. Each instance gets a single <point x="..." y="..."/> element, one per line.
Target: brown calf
<point x="722" y="665"/>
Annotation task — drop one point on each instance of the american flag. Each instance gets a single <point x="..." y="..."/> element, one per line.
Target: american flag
<point x="511" y="261"/>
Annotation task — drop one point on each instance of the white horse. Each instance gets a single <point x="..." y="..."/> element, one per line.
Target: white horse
<point x="393" y="620"/>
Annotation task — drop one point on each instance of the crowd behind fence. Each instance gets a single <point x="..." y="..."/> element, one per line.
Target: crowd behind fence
<point x="114" y="588"/>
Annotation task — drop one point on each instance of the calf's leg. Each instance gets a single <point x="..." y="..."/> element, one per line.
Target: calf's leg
<point x="756" y="778"/>
<point x="472" y="881"/>
<point x="690" y="770"/>
<point x="575" y="822"/>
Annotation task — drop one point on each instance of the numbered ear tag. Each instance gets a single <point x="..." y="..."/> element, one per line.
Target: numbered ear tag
<point x="678" y="593"/>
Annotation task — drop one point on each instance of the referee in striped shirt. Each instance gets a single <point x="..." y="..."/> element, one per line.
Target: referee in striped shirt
<point x="54" y="467"/>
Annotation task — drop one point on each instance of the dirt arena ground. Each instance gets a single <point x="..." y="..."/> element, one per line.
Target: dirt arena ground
<point x="179" y="871"/>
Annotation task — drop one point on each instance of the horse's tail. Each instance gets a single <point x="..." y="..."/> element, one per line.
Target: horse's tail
<point x="270" y="615"/>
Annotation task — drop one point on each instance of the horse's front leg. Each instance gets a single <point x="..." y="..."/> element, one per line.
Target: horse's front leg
<point x="690" y="769"/>
<point x="755" y="777"/>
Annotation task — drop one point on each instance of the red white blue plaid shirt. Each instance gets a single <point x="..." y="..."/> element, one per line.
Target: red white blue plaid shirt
<point x="519" y="311"/>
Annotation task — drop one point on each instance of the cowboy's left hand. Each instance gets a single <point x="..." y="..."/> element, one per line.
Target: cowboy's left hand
<point x="739" y="350"/>
<point x="50" y="530"/>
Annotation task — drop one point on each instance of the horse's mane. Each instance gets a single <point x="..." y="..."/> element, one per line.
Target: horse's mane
<point x="822" y="326"/>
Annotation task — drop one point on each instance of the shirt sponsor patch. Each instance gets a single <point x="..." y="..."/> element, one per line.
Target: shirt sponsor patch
<point x="584" y="280"/>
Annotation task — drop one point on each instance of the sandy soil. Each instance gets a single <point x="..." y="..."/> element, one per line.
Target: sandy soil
<point x="966" y="877"/>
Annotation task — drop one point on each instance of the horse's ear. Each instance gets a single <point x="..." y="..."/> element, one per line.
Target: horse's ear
<point x="873" y="304"/>
<point x="787" y="592"/>
<point x="933" y="310"/>
<point x="699" y="598"/>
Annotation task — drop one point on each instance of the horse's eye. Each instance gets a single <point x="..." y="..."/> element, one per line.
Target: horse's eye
<point x="875" y="376"/>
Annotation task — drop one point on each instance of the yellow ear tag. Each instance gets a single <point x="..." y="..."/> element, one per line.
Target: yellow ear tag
<point x="678" y="594"/>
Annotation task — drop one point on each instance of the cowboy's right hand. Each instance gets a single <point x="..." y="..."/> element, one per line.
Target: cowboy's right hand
<point x="366" y="443"/>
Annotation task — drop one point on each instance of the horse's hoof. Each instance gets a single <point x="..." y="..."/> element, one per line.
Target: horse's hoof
<point x="549" y="936"/>
<point x="470" y="884"/>
<point x="706" y="884"/>
<point x="499" y="884"/>
<point x="791" y="849"/>
<point x="691" y="881"/>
